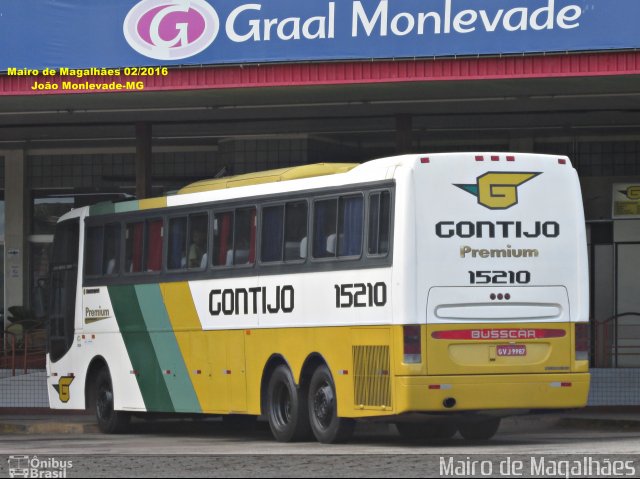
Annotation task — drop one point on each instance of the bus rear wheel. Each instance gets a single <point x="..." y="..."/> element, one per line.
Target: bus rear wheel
<point x="479" y="430"/>
<point x="109" y="420"/>
<point x="327" y="427"/>
<point x="286" y="411"/>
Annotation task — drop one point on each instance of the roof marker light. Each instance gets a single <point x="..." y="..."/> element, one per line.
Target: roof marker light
<point x="495" y="158"/>
<point x="511" y="158"/>
<point x="479" y="158"/>
<point x="424" y="159"/>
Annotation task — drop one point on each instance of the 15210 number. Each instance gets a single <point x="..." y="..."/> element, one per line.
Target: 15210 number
<point x="361" y="295"/>
<point x="499" y="277"/>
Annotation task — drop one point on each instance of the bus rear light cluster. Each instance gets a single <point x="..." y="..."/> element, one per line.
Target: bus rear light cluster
<point x="583" y="341"/>
<point x="412" y="344"/>
<point x="562" y="161"/>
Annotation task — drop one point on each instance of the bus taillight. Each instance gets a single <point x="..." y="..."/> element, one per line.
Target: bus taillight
<point x="582" y="341"/>
<point x="412" y="346"/>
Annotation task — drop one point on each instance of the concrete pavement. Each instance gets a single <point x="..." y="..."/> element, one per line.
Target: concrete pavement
<point x="78" y="422"/>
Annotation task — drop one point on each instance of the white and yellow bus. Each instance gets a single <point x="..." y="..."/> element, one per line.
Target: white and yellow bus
<point x="448" y="287"/>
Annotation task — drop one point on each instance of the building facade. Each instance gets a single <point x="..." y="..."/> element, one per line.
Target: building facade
<point x="105" y="100"/>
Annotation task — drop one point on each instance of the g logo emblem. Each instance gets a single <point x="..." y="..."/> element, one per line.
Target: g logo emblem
<point x="171" y="29"/>
<point x="63" y="388"/>
<point x="633" y="192"/>
<point x="498" y="190"/>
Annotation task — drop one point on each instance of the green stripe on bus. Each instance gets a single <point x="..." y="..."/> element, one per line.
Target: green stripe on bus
<point x="103" y="208"/>
<point x="176" y="377"/>
<point x="140" y="348"/>
<point x="126" y="206"/>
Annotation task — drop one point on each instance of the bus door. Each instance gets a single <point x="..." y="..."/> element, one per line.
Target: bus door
<point x="64" y="282"/>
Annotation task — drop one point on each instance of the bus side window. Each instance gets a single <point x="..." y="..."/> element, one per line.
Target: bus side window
<point x="153" y="245"/>
<point x="379" y="223"/>
<point x="133" y="247"/>
<point x="222" y="238"/>
<point x="324" y="228"/>
<point x="244" y="240"/>
<point x="198" y="244"/>
<point x="271" y="239"/>
<point x="338" y="227"/>
<point x="93" y="251"/>
<point x="295" y="231"/>
<point x="350" y="215"/>
<point x="177" y="255"/>
<point x="111" y="253"/>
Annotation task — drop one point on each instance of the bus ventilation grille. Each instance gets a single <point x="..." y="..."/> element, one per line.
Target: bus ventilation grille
<point x="372" y="386"/>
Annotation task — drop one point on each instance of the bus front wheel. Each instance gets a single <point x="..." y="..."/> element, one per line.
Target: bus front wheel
<point x="110" y="421"/>
<point x="288" y="417"/>
<point x="327" y="427"/>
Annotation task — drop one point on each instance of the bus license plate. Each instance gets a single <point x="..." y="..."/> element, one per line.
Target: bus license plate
<point x="511" y="350"/>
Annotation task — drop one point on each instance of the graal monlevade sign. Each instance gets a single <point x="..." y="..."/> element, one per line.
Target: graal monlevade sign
<point x="95" y="33"/>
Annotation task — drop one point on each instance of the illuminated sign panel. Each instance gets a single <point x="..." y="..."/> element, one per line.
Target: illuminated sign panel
<point x="49" y="33"/>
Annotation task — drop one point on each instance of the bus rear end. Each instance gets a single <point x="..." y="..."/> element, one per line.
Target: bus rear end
<point x="502" y="285"/>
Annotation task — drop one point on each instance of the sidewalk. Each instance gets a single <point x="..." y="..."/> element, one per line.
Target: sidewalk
<point x="77" y="422"/>
<point x="47" y="423"/>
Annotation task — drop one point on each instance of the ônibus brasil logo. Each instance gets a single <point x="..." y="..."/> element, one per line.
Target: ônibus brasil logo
<point x="171" y="29"/>
<point x="498" y="190"/>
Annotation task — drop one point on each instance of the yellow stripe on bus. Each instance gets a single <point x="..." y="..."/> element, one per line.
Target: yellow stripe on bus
<point x="151" y="203"/>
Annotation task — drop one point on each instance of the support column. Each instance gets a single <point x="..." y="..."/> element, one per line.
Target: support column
<point x="143" y="160"/>
<point x="404" y="134"/>
<point x="15" y="227"/>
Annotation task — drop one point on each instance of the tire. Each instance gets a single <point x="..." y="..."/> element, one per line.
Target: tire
<point x="286" y="407"/>
<point x="426" y="431"/>
<point x="481" y="430"/>
<point x="109" y="420"/>
<point x="327" y="427"/>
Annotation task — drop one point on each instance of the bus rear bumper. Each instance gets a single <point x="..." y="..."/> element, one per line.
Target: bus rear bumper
<point x="486" y="392"/>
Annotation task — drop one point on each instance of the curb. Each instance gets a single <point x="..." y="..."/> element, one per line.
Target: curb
<point x="48" y="428"/>
<point x="510" y="425"/>
<point x="599" y="423"/>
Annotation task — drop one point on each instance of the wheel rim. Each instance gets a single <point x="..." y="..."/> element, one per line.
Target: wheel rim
<point x="104" y="403"/>
<point x="324" y="405"/>
<point x="281" y="406"/>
